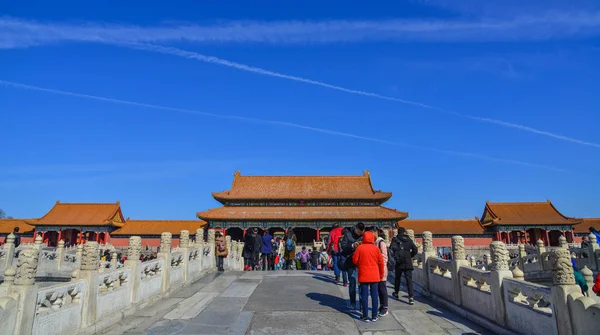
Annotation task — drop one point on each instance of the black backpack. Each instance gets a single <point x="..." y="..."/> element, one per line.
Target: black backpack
<point x="402" y="256"/>
<point x="391" y="262"/>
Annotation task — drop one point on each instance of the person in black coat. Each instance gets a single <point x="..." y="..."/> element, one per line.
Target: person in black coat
<point x="403" y="249"/>
<point x="257" y="247"/>
<point x="248" y="251"/>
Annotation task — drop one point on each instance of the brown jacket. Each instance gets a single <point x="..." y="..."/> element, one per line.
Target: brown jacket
<point x="221" y="241"/>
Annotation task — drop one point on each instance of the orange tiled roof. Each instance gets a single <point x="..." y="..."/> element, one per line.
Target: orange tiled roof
<point x="301" y="188"/>
<point x="524" y="213"/>
<point x="302" y="213"/>
<point x="444" y="226"/>
<point x="584" y="227"/>
<point x="8" y="225"/>
<point x="82" y="214"/>
<point x="157" y="227"/>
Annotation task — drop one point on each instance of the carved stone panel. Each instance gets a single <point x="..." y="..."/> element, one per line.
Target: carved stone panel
<point x="135" y="248"/>
<point x="27" y="264"/>
<point x="458" y="248"/>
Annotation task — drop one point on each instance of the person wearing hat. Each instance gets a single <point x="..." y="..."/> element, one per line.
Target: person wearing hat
<point x="403" y="249"/>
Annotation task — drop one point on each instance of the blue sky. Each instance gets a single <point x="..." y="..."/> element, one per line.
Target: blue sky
<point x="447" y="103"/>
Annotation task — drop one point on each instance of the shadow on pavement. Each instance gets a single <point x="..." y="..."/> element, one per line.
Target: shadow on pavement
<point x="328" y="300"/>
<point x="456" y="319"/>
<point x="324" y="277"/>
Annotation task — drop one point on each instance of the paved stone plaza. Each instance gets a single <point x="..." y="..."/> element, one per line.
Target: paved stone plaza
<point x="282" y="302"/>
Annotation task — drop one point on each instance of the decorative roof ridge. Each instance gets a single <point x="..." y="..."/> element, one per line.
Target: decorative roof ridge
<point x="169" y="220"/>
<point x="520" y="202"/>
<point x="117" y="209"/>
<point x="564" y="216"/>
<point x="474" y="219"/>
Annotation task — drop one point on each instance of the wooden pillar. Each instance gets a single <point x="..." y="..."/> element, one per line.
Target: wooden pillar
<point x="525" y="235"/>
<point x="60" y="233"/>
<point x="96" y="236"/>
<point x="80" y="237"/>
<point x="224" y="231"/>
<point x="547" y="238"/>
<point x="244" y="235"/>
<point x="318" y="234"/>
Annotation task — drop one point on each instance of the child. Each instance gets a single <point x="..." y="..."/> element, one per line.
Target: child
<point x="369" y="261"/>
<point x="304" y="258"/>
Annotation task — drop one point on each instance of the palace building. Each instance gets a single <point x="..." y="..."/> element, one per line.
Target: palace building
<point x="308" y="205"/>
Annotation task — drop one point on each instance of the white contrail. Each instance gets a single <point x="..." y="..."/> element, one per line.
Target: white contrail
<point x="261" y="71"/>
<point x="278" y="123"/>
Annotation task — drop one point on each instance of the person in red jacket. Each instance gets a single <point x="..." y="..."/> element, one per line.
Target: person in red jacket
<point x="369" y="261"/>
<point x="596" y="287"/>
<point x="333" y="248"/>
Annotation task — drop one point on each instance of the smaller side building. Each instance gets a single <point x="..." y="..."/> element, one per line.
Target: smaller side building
<point x="26" y="230"/>
<point x="150" y="230"/>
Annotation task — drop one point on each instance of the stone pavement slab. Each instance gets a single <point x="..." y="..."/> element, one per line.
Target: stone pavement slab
<point x="283" y="302"/>
<point x="192" y="306"/>
<point x="302" y="323"/>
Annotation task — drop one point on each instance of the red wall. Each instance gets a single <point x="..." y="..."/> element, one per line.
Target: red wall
<point x="118" y="241"/>
<point x="469" y="241"/>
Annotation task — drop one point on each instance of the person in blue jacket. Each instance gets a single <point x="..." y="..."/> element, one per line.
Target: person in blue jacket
<point x="267" y="251"/>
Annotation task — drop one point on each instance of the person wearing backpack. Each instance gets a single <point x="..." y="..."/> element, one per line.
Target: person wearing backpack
<point x="383" y="295"/>
<point x="221" y="251"/>
<point x="403" y="249"/>
<point x="248" y="252"/>
<point x="350" y="240"/>
<point x="290" y="249"/>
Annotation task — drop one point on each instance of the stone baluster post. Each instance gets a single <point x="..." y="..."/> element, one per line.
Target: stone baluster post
<point x="562" y="242"/>
<point x="113" y="260"/>
<point x="38" y="242"/>
<point x="458" y="260"/>
<point x="184" y="245"/>
<point x="541" y="248"/>
<point x="563" y="284"/>
<point x="498" y="271"/>
<point x="165" y="254"/>
<point x="24" y="286"/>
<point x="60" y="251"/>
<point x="88" y="271"/>
<point x="592" y="247"/>
<point x="78" y="254"/>
<point x="134" y="250"/>
<point x="200" y="246"/>
<point x="227" y="263"/>
<point x="9" y="280"/>
<point x="589" y="279"/>
<point x="473" y="261"/>
<point x="9" y="246"/>
<point x="428" y="252"/>
<point x="211" y="247"/>
<point x="522" y="252"/>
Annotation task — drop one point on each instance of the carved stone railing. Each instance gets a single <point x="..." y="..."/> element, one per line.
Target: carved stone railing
<point x="59" y="309"/>
<point x="113" y="292"/>
<point x="528" y="307"/>
<point x="151" y="274"/>
<point x="177" y="269"/>
<point x="476" y="291"/>
<point x="49" y="261"/>
<point x="440" y="277"/>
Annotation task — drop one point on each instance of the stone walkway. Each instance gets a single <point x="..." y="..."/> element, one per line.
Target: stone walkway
<point x="282" y="302"/>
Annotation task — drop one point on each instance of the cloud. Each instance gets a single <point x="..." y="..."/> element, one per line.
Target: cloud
<point x="282" y="124"/>
<point x="540" y="25"/>
<point x="14" y="32"/>
<point x="257" y="70"/>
